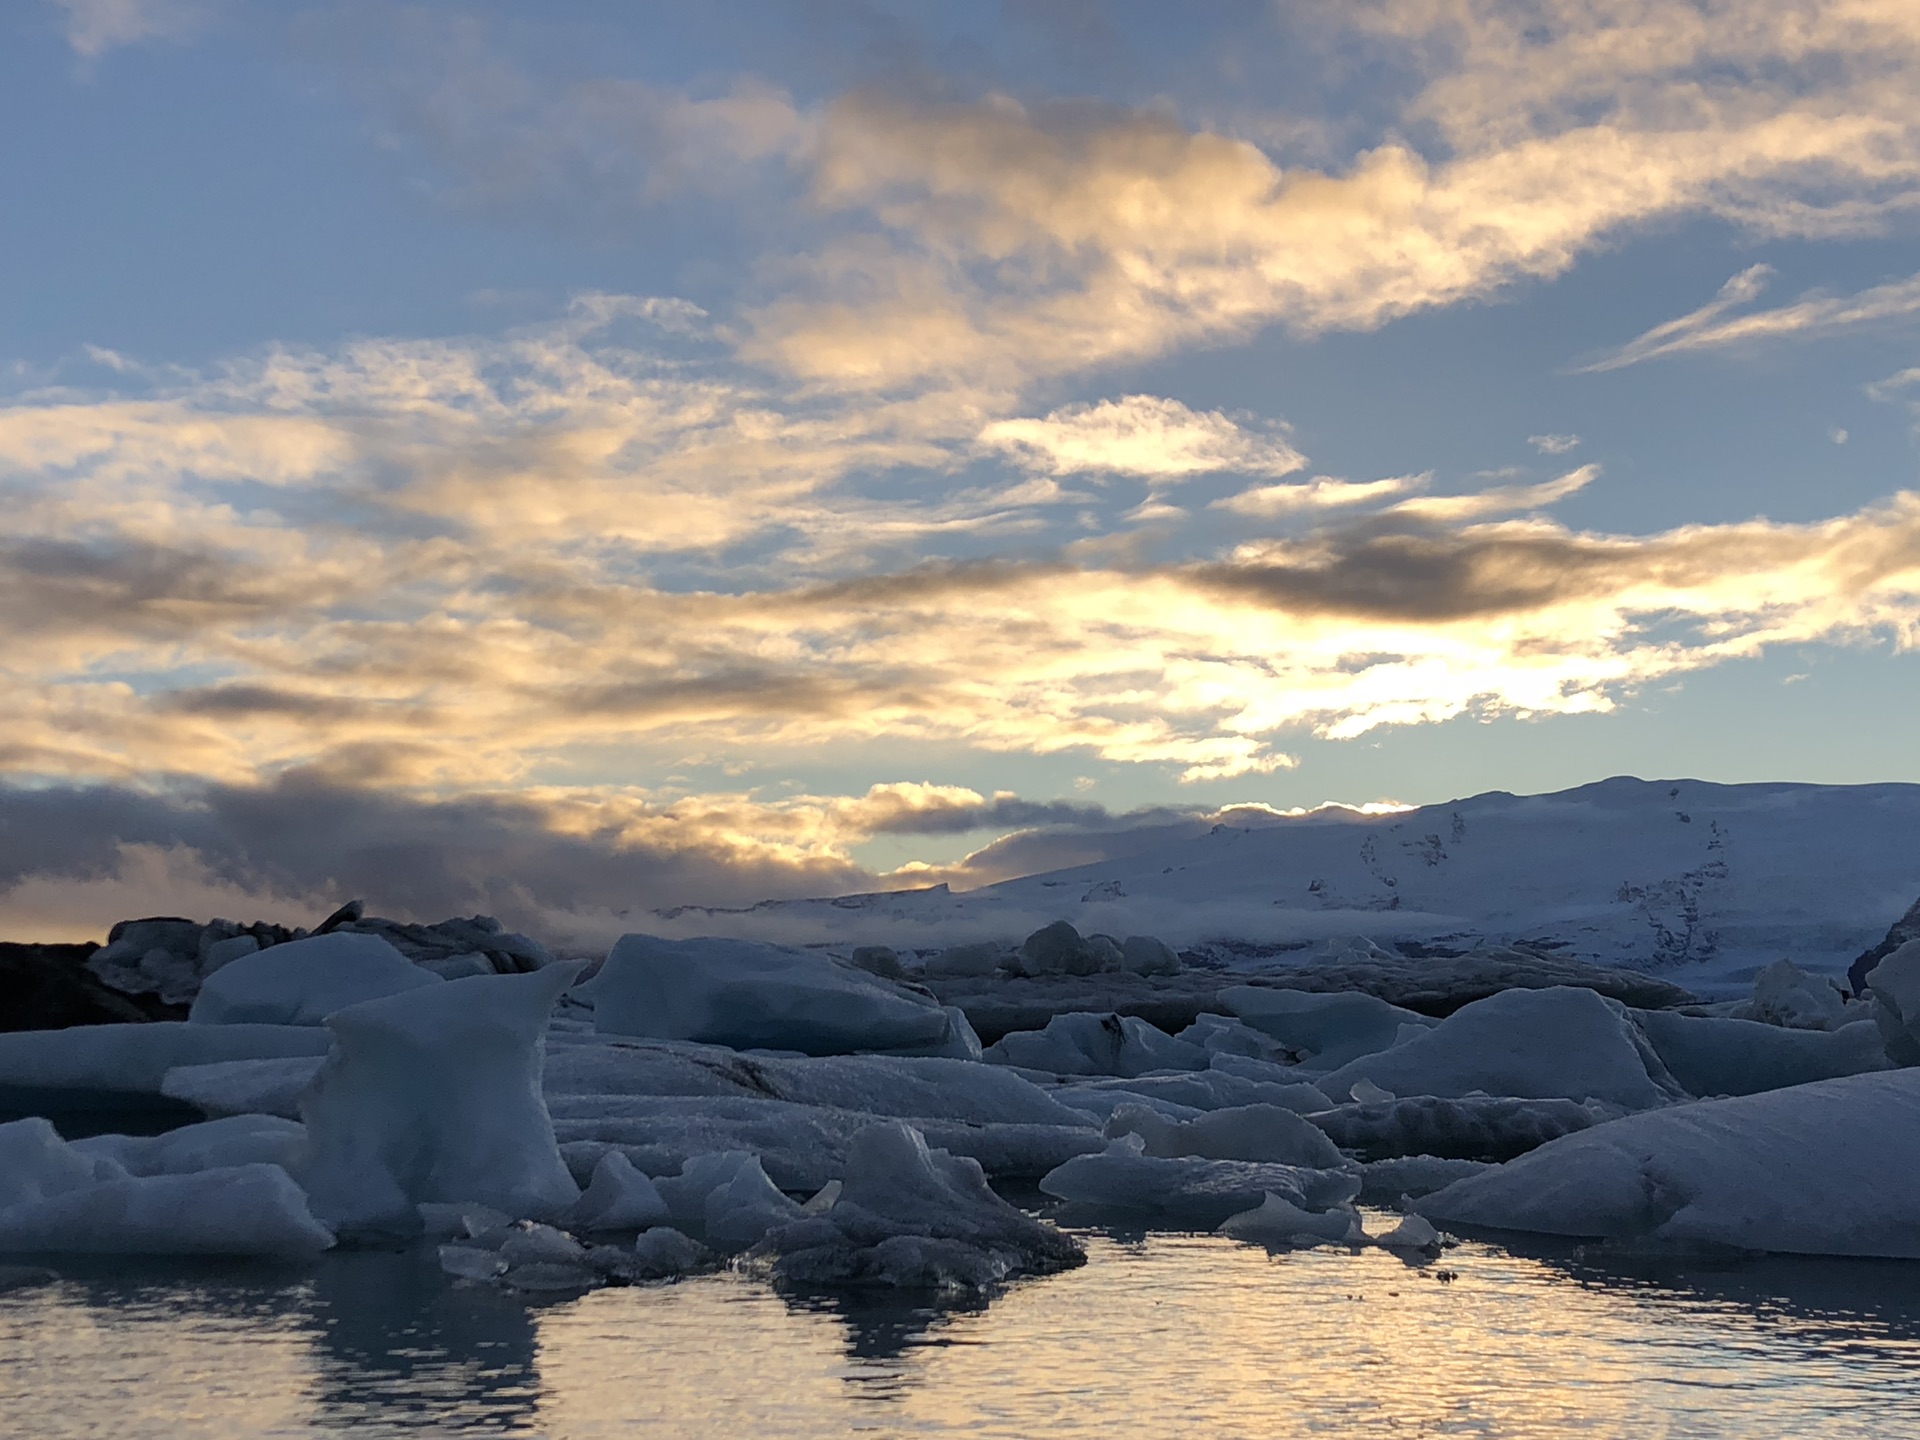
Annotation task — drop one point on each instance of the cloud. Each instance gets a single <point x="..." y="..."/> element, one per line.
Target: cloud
<point x="1554" y="444"/>
<point x="1323" y="492"/>
<point x="1814" y="314"/>
<point x="998" y="241"/>
<point x="95" y="26"/>
<point x="1500" y="499"/>
<point x="1141" y="435"/>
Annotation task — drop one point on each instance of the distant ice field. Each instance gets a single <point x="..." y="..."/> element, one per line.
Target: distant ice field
<point x="1702" y="883"/>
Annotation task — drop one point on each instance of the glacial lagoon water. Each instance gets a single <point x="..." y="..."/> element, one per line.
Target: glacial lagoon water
<point x="1160" y="1335"/>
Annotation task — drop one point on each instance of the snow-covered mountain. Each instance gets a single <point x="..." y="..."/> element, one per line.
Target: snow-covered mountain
<point x="1711" y="880"/>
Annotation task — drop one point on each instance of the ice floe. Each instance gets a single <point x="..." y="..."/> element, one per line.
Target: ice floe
<point x="1822" y="1169"/>
<point x="435" y="1095"/>
<point x="1188" y="1192"/>
<point x="910" y="1216"/>
<point x="1563" y="1042"/>
<point x="304" y="981"/>
<point x="56" y="1196"/>
<point x="748" y="995"/>
<point x="1086" y="1044"/>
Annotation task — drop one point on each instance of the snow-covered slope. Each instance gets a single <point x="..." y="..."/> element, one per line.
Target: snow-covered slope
<point x="1706" y="880"/>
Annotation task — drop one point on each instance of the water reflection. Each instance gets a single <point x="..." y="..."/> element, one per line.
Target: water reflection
<point x="400" y="1348"/>
<point x="1159" y="1334"/>
<point x="885" y="1325"/>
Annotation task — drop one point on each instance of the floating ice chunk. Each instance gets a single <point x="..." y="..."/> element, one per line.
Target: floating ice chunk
<point x="217" y="1144"/>
<point x="1189" y="1192"/>
<point x="1389" y="1182"/>
<point x="434" y="1095"/>
<point x="618" y="1197"/>
<point x="1365" y="1092"/>
<point x="1786" y="995"/>
<point x="959" y="1043"/>
<point x="1145" y="955"/>
<point x="1476" y="1127"/>
<point x="36" y="1163"/>
<point x="1818" y="1169"/>
<point x="748" y="995"/>
<point x="1212" y="1089"/>
<point x="1058" y="949"/>
<point x="244" y="1087"/>
<point x="1218" y="1035"/>
<point x="909" y="1216"/>
<point x="966" y="961"/>
<point x="1412" y="1233"/>
<point x="1331" y="1028"/>
<point x="1083" y="1043"/>
<point x="1278" y="1221"/>
<point x="239" y="1210"/>
<point x="664" y="1252"/>
<point x="727" y="1199"/>
<point x="80" y="1197"/>
<point x="1895" y="986"/>
<point x="1564" y="1041"/>
<point x="134" y="1059"/>
<point x="304" y="981"/>
<point x="1245" y="1132"/>
<point x="462" y="1221"/>
<point x="904" y="1086"/>
<point x="1718" y="1056"/>
<point x="472" y="1262"/>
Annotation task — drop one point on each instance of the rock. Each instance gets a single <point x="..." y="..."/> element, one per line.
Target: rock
<point x="1906" y="928"/>
<point x="49" y="987"/>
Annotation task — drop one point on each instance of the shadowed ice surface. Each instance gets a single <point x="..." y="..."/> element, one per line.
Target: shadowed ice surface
<point x="1158" y="1335"/>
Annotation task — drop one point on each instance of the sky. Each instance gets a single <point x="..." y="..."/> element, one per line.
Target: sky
<point x="569" y="460"/>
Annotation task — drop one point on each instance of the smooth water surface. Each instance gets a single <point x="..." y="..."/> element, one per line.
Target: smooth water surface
<point x="1165" y="1335"/>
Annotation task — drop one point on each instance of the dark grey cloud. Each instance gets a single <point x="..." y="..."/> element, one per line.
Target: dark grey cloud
<point x="409" y="858"/>
<point x="130" y="587"/>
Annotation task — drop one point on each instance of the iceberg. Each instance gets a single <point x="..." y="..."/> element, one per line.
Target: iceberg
<point x="1191" y="1192"/>
<point x="133" y="1059"/>
<point x="1244" y="1132"/>
<point x="1332" y="1028"/>
<point x="1717" y="1055"/>
<point x="801" y="1147"/>
<point x="304" y="981"/>
<point x="617" y="1197"/>
<point x="1895" y="986"/>
<point x="1082" y="1043"/>
<point x="1819" y="1169"/>
<point x="1564" y="1042"/>
<point x="213" y="1145"/>
<point x="748" y="995"/>
<point x="1277" y="1221"/>
<point x="58" y="1196"/>
<point x="910" y="1216"/>
<point x="434" y="1095"/>
<point x="1470" y="1128"/>
<point x="726" y="1199"/>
